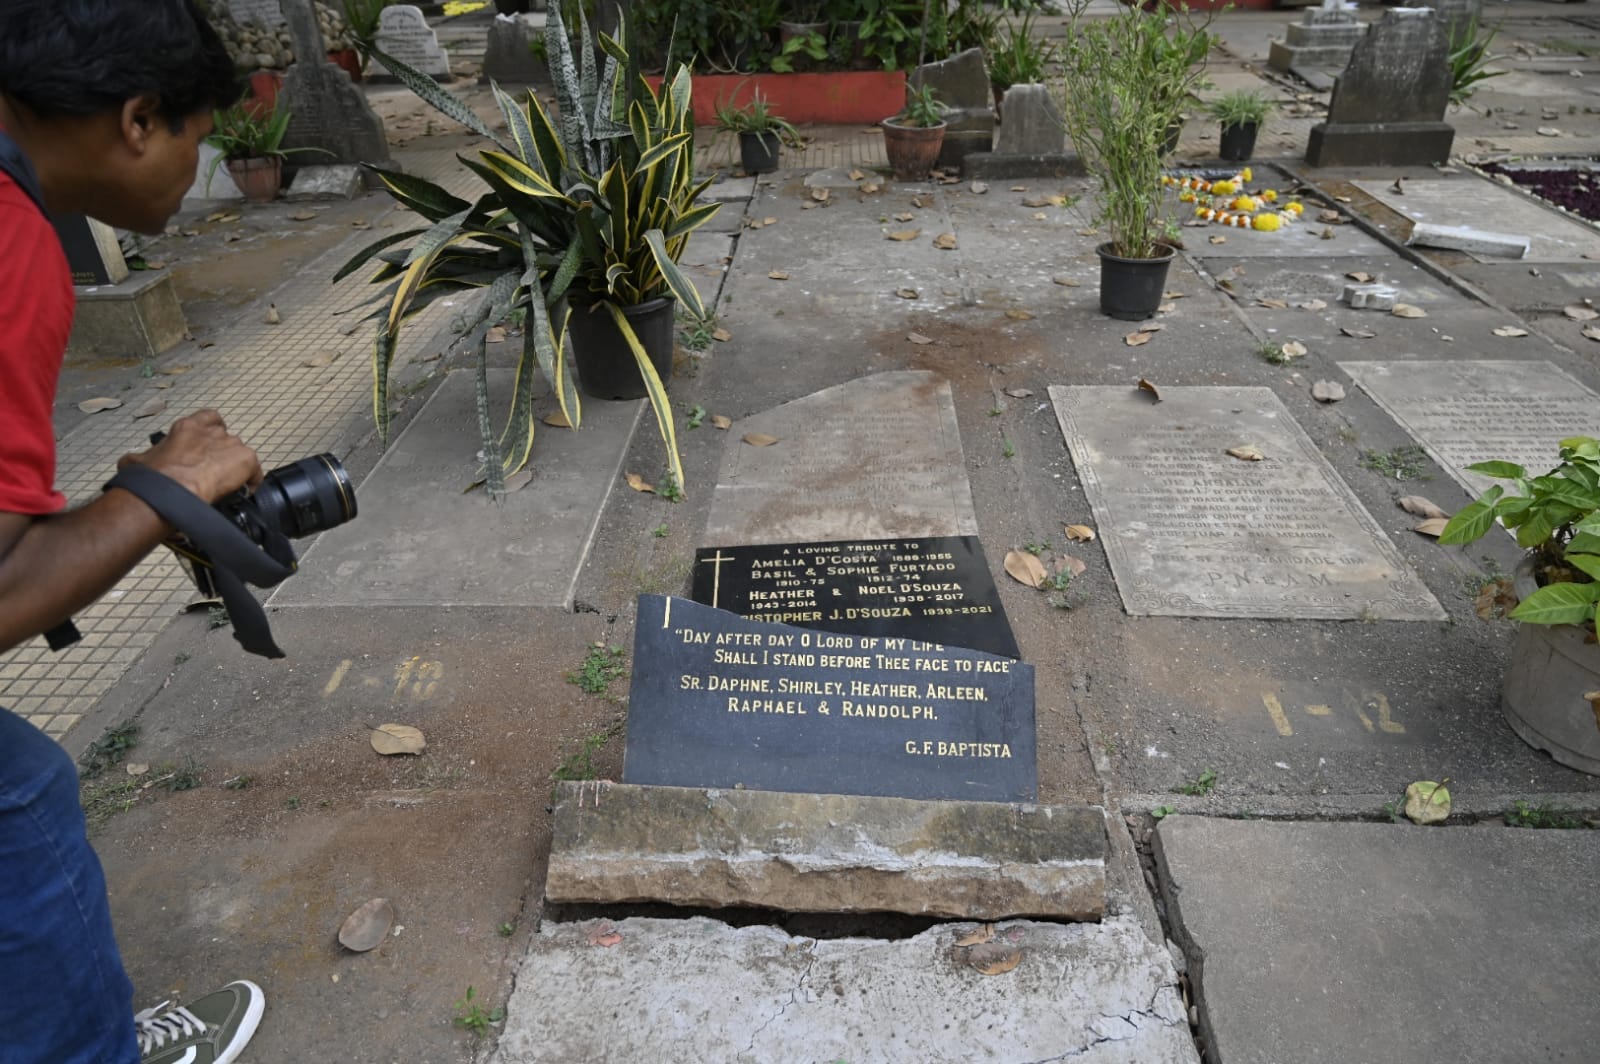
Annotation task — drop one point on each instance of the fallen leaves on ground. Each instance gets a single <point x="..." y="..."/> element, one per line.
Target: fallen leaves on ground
<point x="919" y="339"/>
<point x="94" y="406"/>
<point x="778" y="275"/>
<point x="1359" y="334"/>
<point x="1026" y="568"/>
<point x="994" y="958"/>
<point x="320" y="359"/>
<point x="1330" y="217"/>
<point x="1313" y="304"/>
<point x="151" y="408"/>
<point x="496" y="335"/>
<point x="1080" y="533"/>
<point x="558" y="420"/>
<point x="1043" y="201"/>
<point x="977" y="937"/>
<point x="903" y="235"/>
<point x="1327" y="391"/>
<point x="1592" y="332"/>
<point x="721" y="336"/>
<point x="904" y="216"/>
<point x="1146" y="386"/>
<point x="1432" y="526"/>
<point x="759" y="439"/>
<point x="821" y="195"/>
<point x="1510" y="330"/>
<point x="945" y="241"/>
<point x="1066" y="282"/>
<point x="604" y="934"/>
<point x="1293" y="349"/>
<point x="1247" y="453"/>
<point x="1496" y="598"/>
<point x="1137" y="339"/>
<point x="856" y="175"/>
<point x="1218" y="238"/>
<point x="368" y="926"/>
<point x="302" y="216"/>
<point x="272" y="317"/>
<point x="638" y="483"/>
<point x="1427" y="802"/>
<point x="1273" y="304"/>
<point x="722" y="422"/>
<point x="1421" y="506"/>
<point x="1406" y="310"/>
<point x="978" y="188"/>
<point x="1360" y="276"/>
<point x="1020" y="393"/>
<point x="1017" y="314"/>
<point x="922" y="200"/>
<point x="391" y="739"/>
<point x="1579" y="312"/>
<point x="908" y="293"/>
<point x="1072" y="565"/>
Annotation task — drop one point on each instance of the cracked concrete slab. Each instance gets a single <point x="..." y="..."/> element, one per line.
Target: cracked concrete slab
<point x="699" y="990"/>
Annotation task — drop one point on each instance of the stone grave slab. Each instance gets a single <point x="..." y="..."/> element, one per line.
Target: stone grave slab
<point x="330" y="111"/>
<point x="525" y="550"/>
<point x="938" y="590"/>
<point x="721" y="701"/>
<point x="878" y="457"/>
<point x="1467" y="412"/>
<point x="404" y="34"/>
<point x="619" y="844"/>
<point x="93" y="254"/>
<point x="1192" y="531"/>
<point x="1485" y="204"/>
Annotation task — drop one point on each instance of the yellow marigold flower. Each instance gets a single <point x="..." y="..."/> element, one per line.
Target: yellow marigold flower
<point x="1245" y="204"/>
<point x="1246" y="176"/>
<point x="1267" y="223"/>
<point x="1186" y="197"/>
<point x="1295" y="208"/>
<point x="1270" y="195"/>
<point x="1223" y="188"/>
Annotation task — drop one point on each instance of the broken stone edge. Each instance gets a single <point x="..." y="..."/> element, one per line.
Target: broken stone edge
<point x="706" y="848"/>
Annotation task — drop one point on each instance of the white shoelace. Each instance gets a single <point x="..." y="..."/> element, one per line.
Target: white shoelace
<point x="174" y="1024"/>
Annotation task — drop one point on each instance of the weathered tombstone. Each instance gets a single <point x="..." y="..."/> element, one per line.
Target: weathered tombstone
<point x="93" y="254"/>
<point x="329" y="111"/>
<point x="1388" y="106"/>
<point x="1323" y="39"/>
<point x="508" y="58"/>
<point x="961" y="83"/>
<point x="1456" y="15"/>
<point x="341" y="181"/>
<point x="721" y="701"/>
<point x="404" y="34"/>
<point x="1030" y="123"/>
<point x="120" y="313"/>
<point x="937" y="590"/>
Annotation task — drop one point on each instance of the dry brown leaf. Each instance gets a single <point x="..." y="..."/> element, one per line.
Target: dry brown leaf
<point x="1406" y="310"/>
<point x="1080" y="533"/>
<point x="603" y="934"/>
<point x="302" y="216"/>
<point x="1039" y="216"/>
<point x="1326" y="234"/>
<point x="1275" y="304"/>
<point x="978" y="188"/>
<point x="1218" y="238"/>
<point x="1086" y="232"/>
<point x="871" y="187"/>
<point x="1327" y="391"/>
<point x="977" y="937"/>
<point x="272" y="317"/>
<point x="1001" y="962"/>
<point x="922" y="201"/>
<point x="1246" y="453"/>
<point x="918" y="339"/>
<point x="1313" y="304"/>
<point x="721" y="336"/>
<point x="722" y="422"/>
<point x="368" y="926"/>
<point x="496" y="335"/>
<point x="151" y="408"/>
<point x="1510" y="330"/>
<point x="903" y="235"/>
<point x="1359" y="334"/>
<point x="1151" y="327"/>
<point x="778" y="275"/>
<point x="1020" y="393"/>
<point x="1431" y="527"/>
<point x="1496" y="598"/>
<point x="390" y="739"/>
<point x="759" y="439"/>
<point x="1593" y="698"/>
<point x="1038" y="201"/>
<point x="908" y="293"/>
<point x="1019" y="188"/>
<point x="856" y="175"/>
<point x="361" y="225"/>
<point x="1330" y="217"/>
<point x="517" y="481"/>
<point x="769" y="220"/>
<point x="163" y="384"/>
<point x="1166" y="308"/>
<point x="320" y="359"/>
<point x="1360" y="276"/>
<point x="1146" y="386"/>
<point x="1137" y="339"/>
<point x="904" y="216"/>
<point x="1293" y="349"/>
<point x="1016" y="314"/>
<point x="558" y="420"/>
<point x="1592" y="332"/>
<point x="94" y="406"/>
<point x="1422" y="507"/>
<point x="1579" y="312"/>
<point x="1173" y="295"/>
<point x="820" y="195"/>
<point x="1072" y="565"/>
<point x="945" y="241"/>
<point x="173" y="371"/>
<point x="1066" y="282"/>
<point x="638" y="483"/>
<point x="1026" y="568"/>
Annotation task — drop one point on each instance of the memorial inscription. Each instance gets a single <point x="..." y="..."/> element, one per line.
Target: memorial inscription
<point x="1194" y="532"/>
<point x="1467" y="412"/>
<point x="404" y="34"/>
<point x="721" y="701"/>
<point x="938" y="590"/>
<point x="260" y="12"/>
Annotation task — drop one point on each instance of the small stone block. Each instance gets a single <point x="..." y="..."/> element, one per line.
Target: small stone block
<point x="1380" y="144"/>
<point x="136" y="318"/>
<point x="1465" y="238"/>
<point x="340" y="182"/>
<point x="1370" y="296"/>
<point x="619" y="843"/>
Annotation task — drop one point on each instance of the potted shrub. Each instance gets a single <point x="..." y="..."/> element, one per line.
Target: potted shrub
<point x="1551" y="696"/>
<point x="361" y="19"/>
<point x="1241" y="113"/>
<point x="580" y="230"/>
<point x="1123" y="81"/>
<point x="914" y="137"/>
<point x="760" y="133"/>
<point x="1017" y="57"/>
<point x="251" y="143"/>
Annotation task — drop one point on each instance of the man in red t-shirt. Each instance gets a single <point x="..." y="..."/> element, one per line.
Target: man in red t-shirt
<point x="103" y="104"/>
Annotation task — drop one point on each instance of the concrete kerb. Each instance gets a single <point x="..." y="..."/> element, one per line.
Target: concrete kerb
<point x="1466" y="809"/>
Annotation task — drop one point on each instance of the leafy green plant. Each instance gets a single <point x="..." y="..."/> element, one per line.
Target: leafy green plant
<point x="580" y="764"/>
<point x="1161" y="812"/>
<point x="755" y="116"/>
<point x="797" y="50"/>
<point x="1402" y="463"/>
<point x="1241" y="107"/>
<point x="241" y="133"/>
<point x="601" y="666"/>
<point x="362" y="18"/>
<point x="1525" y="815"/>
<point x="1273" y="353"/>
<point x="697" y="415"/>
<point x="593" y="208"/>
<point x="1125" y="78"/>
<point x="471" y="1016"/>
<point x="1470" y="58"/>
<point x="1016" y="56"/>
<point x="1556" y="519"/>
<point x="922" y="110"/>
<point x="1201" y="785"/>
<point x="661" y="531"/>
<point x="110" y="749"/>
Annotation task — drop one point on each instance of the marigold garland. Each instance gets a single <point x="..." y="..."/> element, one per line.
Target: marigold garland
<point x="1227" y="201"/>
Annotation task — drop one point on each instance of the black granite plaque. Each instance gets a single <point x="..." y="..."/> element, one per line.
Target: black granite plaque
<point x="721" y="701"/>
<point x="85" y="257"/>
<point x="937" y="589"/>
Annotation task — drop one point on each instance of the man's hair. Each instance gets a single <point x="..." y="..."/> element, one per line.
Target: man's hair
<point x="81" y="57"/>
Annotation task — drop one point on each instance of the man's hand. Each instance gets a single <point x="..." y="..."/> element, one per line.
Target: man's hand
<point x="201" y="454"/>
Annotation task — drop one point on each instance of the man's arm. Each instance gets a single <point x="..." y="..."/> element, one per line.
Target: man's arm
<point x="52" y="566"/>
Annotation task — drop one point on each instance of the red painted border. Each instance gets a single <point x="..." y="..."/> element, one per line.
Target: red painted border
<point x="841" y="97"/>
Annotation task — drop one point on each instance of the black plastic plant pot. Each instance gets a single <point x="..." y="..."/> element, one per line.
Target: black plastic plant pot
<point x="1239" y="142"/>
<point x="606" y="366"/>
<point x="758" y="151"/>
<point x="1131" y="289"/>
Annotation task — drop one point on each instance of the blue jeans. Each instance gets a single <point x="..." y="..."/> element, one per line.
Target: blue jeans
<point x="64" y="998"/>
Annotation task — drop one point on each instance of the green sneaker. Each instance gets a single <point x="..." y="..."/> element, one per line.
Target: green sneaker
<point x="213" y="1030"/>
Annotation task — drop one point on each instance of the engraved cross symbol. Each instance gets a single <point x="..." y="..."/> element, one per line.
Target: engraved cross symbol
<point x="716" y="561"/>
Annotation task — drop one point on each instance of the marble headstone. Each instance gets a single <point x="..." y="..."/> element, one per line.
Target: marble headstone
<point x="1030" y="123"/>
<point x="1388" y="106"/>
<point x="961" y="83"/>
<point x="508" y="59"/>
<point x="329" y="111"/>
<point x="404" y="34"/>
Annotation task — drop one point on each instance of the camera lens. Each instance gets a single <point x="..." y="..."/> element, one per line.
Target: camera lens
<point x="307" y="497"/>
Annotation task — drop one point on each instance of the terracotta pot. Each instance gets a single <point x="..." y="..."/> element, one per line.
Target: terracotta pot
<point x="348" y="60"/>
<point x="1552" y="667"/>
<point x="259" y="178"/>
<point x="912" y="150"/>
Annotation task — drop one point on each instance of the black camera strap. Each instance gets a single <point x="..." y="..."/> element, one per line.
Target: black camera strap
<point x="235" y="559"/>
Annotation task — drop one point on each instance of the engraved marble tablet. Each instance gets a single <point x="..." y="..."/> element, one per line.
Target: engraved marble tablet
<point x="1466" y="412"/>
<point x="938" y="590"/>
<point x="721" y="701"/>
<point x="404" y="33"/>
<point x="878" y="457"/>
<point x="1192" y="531"/>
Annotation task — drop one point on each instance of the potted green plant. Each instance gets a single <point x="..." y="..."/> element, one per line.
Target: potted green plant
<point x="250" y="140"/>
<point x="912" y="139"/>
<point x="580" y="230"/>
<point x="1551" y="696"/>
<point x="1123" y="81"/>
<point x="761" y="132"/>
<point x="362" y="18"/>
<point x="1017" y="57"/>
<point x="1241" y="113"/>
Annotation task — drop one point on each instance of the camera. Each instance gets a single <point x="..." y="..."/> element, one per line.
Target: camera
<point x="293" y="501"/>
